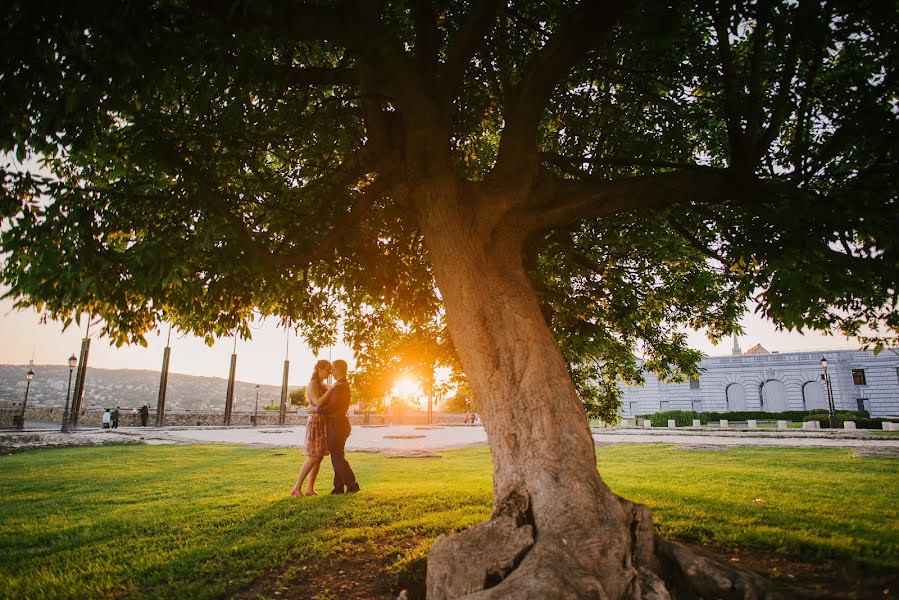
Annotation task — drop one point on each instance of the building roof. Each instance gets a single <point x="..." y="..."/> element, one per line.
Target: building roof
<point x="757" y="349"/>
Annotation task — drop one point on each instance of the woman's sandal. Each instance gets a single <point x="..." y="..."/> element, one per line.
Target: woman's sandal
<point x="310" y="494"/>
<point x="296" y="493"/>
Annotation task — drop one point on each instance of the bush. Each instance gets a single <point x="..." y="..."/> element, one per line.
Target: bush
<point x="759" y="415"/>
<point x="682" y="418"/>
<point x="875" y="423"/>
<point x="824" y="419"/>
<point x="685" y="418"/>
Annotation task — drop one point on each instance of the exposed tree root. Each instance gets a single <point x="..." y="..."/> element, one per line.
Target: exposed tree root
<point x="507" y="557"/>
<point x="693" y="576"/>
<point x="489" y="553"/>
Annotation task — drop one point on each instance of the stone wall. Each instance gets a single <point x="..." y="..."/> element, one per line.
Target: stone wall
<point x="127" y="418"/>
<point x="7" y="413"/>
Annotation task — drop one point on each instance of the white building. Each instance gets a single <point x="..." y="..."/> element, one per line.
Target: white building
<point x="775" y="382"/>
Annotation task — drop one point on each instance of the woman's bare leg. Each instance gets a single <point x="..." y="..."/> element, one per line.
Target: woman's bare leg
<point x="313" y="474"/>
<point x="311" y="462"/>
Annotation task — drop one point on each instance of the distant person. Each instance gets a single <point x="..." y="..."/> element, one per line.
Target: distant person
<point x="106" y="418"/>
<point x="144" y="415"/>
<point x="316" y="442"/>
<point x="337" y="429"/>
<point x="115" y="418"/>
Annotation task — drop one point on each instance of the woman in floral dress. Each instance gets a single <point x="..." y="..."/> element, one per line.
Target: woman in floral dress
<point x="316" y="443"/>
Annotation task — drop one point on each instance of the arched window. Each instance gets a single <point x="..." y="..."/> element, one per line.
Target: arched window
<point x="774" y="396"/>
<point x="736" y="397"/>
<point x="813" y="395"/>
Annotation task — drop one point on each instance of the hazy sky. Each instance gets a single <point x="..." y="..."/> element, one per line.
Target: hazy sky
<point x="261" y="360"/>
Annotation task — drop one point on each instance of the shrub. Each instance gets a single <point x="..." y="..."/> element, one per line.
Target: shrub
<point x="875" y="423"/>
<point x="788" y="415"/>
<point x="684" y="418"/>
<point x="824" y="419"/>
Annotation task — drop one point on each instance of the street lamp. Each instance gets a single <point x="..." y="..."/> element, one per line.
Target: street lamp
<point x="29" y="376"/>
<point x="830" y="406"/>
<point x="256" y="410"/>
<point x="65" y="413"/>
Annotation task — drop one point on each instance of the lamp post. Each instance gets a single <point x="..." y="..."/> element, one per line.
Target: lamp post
<point x="29" y="376"/>
<point x="830" y="406"/>
<point x="256" y="410"/>
<point x="65" y="413"/>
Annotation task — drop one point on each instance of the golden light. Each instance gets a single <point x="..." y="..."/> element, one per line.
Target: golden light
<point x="406" y="387"/>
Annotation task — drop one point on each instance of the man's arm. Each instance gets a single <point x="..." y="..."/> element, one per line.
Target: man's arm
<point x="331" y="403"/>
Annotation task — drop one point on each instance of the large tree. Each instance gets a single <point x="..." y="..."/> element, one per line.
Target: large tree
<point x="543" y="188"/>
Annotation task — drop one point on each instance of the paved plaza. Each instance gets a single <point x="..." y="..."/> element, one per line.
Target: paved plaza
<point x="412" y="440"/>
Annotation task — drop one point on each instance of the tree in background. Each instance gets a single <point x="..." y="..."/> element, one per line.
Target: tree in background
<point x="389" y="348"/>
<point x="460" y="402"/>
<point x="297" y="397"/>
<point x="545" y="189"/>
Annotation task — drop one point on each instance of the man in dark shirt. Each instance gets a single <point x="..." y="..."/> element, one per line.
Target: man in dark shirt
<point x="337" y="430"/>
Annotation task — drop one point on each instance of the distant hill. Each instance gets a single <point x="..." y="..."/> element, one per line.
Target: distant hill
<point x="131" y="388"/>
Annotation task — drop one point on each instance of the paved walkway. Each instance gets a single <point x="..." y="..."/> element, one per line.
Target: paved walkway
<point x="411" y="439"/>
<point x="364" y="438"/>
<point x="865" y="442"/>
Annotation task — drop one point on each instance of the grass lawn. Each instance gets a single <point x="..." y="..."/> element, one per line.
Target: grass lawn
<point x="214" y="521"/>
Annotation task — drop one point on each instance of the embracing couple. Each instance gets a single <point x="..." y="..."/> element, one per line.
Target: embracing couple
<point x="327" y="429"/>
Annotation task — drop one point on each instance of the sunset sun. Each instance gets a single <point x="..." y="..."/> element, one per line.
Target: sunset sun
<point x="406" y="387"/>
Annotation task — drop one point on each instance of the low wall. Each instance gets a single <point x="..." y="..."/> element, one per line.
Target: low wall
<point x="128" y="418"/>
<point x="6" y="415"/>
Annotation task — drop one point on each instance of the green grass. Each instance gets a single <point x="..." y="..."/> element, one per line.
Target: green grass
<point x="817" y="504"/>
<point x="204" y="521"/>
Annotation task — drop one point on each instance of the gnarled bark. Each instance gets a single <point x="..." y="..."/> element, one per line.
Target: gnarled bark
<point x="557" y="530"/>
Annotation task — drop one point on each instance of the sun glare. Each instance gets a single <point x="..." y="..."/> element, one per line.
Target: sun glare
<point x="406" y="387"/>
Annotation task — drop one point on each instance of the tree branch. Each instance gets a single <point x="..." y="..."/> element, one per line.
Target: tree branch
<point x="569" y="165"/>
<point x="756" y="67"/>
<point x="427" y="40"/>
<point x="576" y="200"/>
<point x="801" y="25"/>
<point x="479" y="21"/>
<point x="800" y="138"/>
<point x="694" y="241"/>
<point x="734" y="116"/>
<point x="584" y="29"/>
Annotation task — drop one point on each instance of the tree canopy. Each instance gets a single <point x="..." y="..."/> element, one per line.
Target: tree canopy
<point x="210" y="162"/>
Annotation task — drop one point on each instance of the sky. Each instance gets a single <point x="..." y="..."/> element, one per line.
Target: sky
<point x="261" y="360"/>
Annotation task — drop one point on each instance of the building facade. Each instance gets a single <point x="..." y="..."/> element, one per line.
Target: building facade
<point x="775" y="382"/>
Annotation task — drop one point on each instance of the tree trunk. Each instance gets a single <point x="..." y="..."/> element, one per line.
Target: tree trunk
<point x="557" y="531"/>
